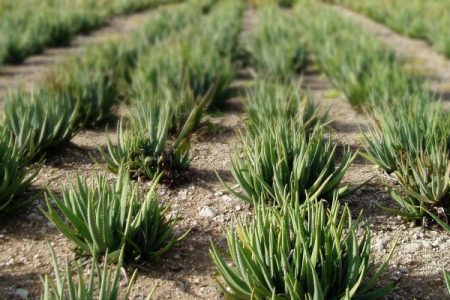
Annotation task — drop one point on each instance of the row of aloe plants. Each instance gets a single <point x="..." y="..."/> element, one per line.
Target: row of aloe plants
<point x="135" y="225"/>
<point x="119" y="222"/>
<point x="300" y="243"/>
<point x="171" y="88"/>
<point x="24" y="32"/>
<point x="417" y="19"/>
<point x="408" y="138"/>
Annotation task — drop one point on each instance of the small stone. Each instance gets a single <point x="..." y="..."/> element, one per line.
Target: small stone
<point x="21" y="293"/>
<point x="413" y="247"/>
<point x="177" y="256"/>
<point x="379" y="245"/>
<point x="207" y="212"/>
<point x="427" y="245"/>
<point x="396" y="275"/>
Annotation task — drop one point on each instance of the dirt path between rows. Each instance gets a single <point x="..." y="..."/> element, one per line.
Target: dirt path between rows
<point x="36" y="66"/>
<point x="421" y="58"/>
<point x="416" y="267"/>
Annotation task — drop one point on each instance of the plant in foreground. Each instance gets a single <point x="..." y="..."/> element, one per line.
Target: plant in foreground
<point x="15" y="178"/>
<point x="287" y="162"/>
<point x="102" y="218"/>
<point x="103" y="284"/>
<point x="299" y="252"/>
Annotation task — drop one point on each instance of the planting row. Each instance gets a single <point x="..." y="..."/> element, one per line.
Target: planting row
<point x="30" y="26"/>
<point x="409" y="137"/>
<point x="300" y="243"/>
<point x="410" y="133"/>
<point x="418" y="19"/>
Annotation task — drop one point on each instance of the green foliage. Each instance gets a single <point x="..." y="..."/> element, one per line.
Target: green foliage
<point x="103" y="283"/>
<point x="365" y="71"/>
<point x="287" y="162"/>
<point x="194" y="64"/>
<point x="15" y="178"/>
<point x="300" y="252"/>
<point x="26" y="32"/>
<point x="269" y="102"/>
<point x="39" y="120"/>
<point x="199" y="59"/>
<point x="410" y="140"/>
<point x="408" y="127"/>
<point x="275" y="49"/>
<point x="144" y="145"/>
<point x="416" y="18"/>
<point x="103" y="218"/>
<point x="91" y="80"/>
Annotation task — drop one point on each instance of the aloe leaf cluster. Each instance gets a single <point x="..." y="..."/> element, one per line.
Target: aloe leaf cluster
<point x="145" y="145"/>
<point x="285" y="153"/>
<point x="39" y="121"/>
<point x="15" y="176"/>
<point x="101" y="218"/>
<point x="299" y="252"/>
<point x="411" y="142"/>
<point x="287" y="160"/>
<point x="274" y="47"/>
<point x="269" y="101"/>
<point x="103" y="282"/>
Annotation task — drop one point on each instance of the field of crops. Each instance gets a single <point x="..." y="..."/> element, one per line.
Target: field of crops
<point x="259" y="149"/>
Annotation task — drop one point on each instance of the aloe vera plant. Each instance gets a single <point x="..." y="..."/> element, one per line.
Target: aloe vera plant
<point x="15" y="177"/>
<point x="144" y="145"/>
<point x="286" y="162"/>
<point x="39" y="121"/>
<point x="410" y="141"/>
<point x="270" y="101"/>
<point x="103" y="218"/>
<point x="103" y="283"/>
<point x="274" y="48"/>
<point x="299" y="252"/>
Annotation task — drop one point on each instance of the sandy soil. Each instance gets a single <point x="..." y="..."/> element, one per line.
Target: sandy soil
<point x="186" y="272"/>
